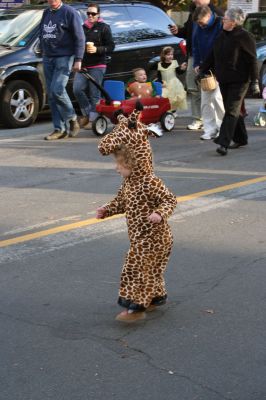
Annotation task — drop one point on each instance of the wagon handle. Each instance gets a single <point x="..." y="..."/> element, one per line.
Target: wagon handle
<point x="106" y="95"/>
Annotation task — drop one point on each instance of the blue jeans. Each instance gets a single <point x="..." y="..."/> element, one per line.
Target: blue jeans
<point x="86" y="93"/>
<point x="56" y="72"/>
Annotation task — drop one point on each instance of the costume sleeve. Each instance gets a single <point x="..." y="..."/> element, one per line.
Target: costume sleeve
<point x="164" y="200"/>
<point x="107" y="41"/>
<point x="117" y="205"/>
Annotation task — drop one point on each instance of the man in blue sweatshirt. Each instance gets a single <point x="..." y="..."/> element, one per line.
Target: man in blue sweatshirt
<point x="62" y="43"/>
<point x="207" y="28"/>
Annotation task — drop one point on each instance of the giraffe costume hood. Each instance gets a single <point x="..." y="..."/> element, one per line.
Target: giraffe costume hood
<point x="140" y="195"/>
<point x="135" y="135"/>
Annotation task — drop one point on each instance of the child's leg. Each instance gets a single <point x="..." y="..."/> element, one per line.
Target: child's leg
<point x="142" y="275"/>
<point x="163" y="254"/>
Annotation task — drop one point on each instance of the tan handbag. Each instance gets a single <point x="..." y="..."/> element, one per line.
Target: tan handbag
<point x="209" y="83"/>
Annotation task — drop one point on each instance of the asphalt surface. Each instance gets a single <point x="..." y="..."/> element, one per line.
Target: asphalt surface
<point x="58" y="291"/>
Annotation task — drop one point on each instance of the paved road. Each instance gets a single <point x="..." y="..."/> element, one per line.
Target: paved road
<point x="60" y="270"/>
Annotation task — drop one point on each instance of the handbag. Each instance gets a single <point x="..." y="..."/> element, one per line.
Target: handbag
<point x="208" y="83"/>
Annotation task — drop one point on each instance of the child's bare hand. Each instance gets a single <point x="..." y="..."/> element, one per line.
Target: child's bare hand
<point x="155" y="218"/>
<point x="101" y="213"/>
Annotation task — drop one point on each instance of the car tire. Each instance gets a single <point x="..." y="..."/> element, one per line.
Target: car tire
<point x="168" y="121"/>
<point x="20" y="104"/>
<point x="99" y="126"/>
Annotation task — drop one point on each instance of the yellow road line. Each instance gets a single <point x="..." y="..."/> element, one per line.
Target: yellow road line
<point x="220" y="189"/>
<point x="92" y="221"/>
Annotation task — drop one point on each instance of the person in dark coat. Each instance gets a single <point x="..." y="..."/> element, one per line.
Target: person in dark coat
<point x="99" y="43"/>
<point x="234" y="62"/>
<point x="186" y="33"/>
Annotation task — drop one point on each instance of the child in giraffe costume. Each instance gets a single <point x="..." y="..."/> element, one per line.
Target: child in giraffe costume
<point x="147" y="204"/>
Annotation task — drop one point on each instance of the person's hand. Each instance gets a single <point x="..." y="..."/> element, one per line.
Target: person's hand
<point x="183" y="66"/>
<point x="155" y="218"/>
<point x="92" y="49"/>
<point x="76" y="66"/>
<point x="255" y="88"/>
<point x="197" y="69"/>
<point x="101" y="213"/>
<point x="173" y="29"/>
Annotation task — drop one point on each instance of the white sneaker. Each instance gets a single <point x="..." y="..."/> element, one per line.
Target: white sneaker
<point x="155" y="129"/>
<point x="196" y="125"/>
<point x="207" y="136"/>
<point x="174" y="114"/>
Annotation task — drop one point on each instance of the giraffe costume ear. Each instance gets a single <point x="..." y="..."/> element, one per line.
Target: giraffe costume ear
<point x="134" y="116"/>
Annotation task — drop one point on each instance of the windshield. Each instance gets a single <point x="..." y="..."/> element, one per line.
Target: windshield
<point x="17" y="31"/>
<point x="257" y="26"/>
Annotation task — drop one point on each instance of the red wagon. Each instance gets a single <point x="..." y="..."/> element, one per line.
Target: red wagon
<point x="155" y="109"/>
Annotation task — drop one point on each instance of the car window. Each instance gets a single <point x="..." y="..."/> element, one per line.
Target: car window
<point x="257" y="26"/>
<point x="14" y="35"/>
<point x="119" y="20"/>
<point x="148" y="23"/>
<point x="5" y="16"/>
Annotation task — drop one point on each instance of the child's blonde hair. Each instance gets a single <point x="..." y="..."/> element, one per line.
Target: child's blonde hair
<point x="124" y="155"/>
<point x="166" y="50"/>
<point x="135" y="70"/>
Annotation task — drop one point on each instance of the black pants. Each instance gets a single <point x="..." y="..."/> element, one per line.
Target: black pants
<point x="233" y="125"/>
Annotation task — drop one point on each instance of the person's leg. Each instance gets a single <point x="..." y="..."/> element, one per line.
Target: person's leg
<point x="218" y="106"/>
<point x="63" y="66"/>
<point x="240" y="137"/>
<point x="162" y="257"/>
<point x="195" y="96"/>
<point x="49" y="72"/>
<point x="233" y="95"/>
<point x="94" y="92"/>
<point x="212" y="109"/>
<point x="80" y="90"/>
<point x="133" y="311"/>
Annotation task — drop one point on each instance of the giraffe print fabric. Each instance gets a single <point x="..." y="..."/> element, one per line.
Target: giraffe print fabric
<point x="142" y="282"/>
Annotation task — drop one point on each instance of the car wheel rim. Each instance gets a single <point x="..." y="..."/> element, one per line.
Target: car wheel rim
<point x="100" y="126"/>
<point x="22" y="105"/>
<point x="169" y="121"/>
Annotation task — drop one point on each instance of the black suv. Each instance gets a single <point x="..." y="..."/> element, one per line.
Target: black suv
<point x="140" y="31"/>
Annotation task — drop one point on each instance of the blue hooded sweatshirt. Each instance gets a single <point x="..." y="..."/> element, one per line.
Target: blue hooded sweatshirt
<point x="61" y="33"/>
<point x="203" y="39"/>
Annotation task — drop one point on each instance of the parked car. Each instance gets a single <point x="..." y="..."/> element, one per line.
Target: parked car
<point x="140" y="31"/>
<point x="255" y="23"/>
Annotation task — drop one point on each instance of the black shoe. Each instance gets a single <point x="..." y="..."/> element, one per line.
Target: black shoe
<point x="159" y="301"/>
<point x="56" y="135"/>
<point x="216" y="140"/>
<point x="222" y="150"/>
<point x="74" y="128"/>
<point x="236" y="145"/>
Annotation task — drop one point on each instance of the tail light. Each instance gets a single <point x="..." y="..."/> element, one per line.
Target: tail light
<point x="183" y="47"/>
